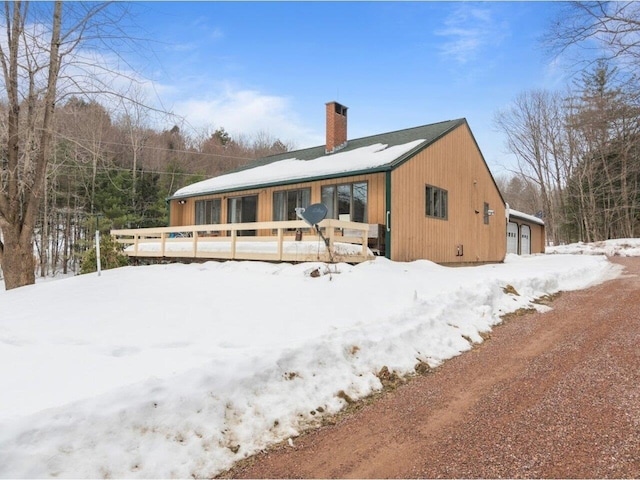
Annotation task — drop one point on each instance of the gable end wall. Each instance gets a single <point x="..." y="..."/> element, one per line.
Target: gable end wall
<point x="453" y="163"/>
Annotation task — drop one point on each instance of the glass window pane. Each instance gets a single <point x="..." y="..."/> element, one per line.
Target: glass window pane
<point x="305" y="197"/>
<point x="344" y="200"/>
<point x="328" y="199"/>
<point x="199" y="212"/>
<point x="292" y="203"/>
<point x="249" y="209"/>
<point x="359" y="213"/>
<point x="436" y="202"/>
<point x="278" y="206"/>
<point x="233" y="212"/>
<point x="243" y="210"/>
<point x="445" y="207"/>
<point x="429" y="205"/>
<point x="215" y="211"/>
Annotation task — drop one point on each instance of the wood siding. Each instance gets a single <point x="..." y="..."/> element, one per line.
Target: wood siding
<point x="538" y="238"/>
<point x="453" y="163"/>
<point x="184" y="214"/>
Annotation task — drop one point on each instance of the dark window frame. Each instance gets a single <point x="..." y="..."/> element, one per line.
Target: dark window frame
<point x="243" y="209"/>
<point x="299" y="202"/>
<point x="205" y="208"/>
<point x="486" y="213"/>
<point x="436" y="202"/>
<point x="334" y="208"/>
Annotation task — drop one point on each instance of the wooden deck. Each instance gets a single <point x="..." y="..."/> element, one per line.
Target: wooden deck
<point x="265" y="241"/>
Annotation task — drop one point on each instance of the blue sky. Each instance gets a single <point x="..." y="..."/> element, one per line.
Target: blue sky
<point x="251" y="66"/>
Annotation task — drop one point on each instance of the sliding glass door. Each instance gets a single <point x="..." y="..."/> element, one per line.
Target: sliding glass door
<point x="243" y="210"/>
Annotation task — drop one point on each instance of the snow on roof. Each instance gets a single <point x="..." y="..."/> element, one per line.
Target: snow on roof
<point x="525" y="216"/>
<point x="292" y="169"/>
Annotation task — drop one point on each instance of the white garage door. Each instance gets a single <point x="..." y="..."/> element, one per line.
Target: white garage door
<point x="525" y="240"/>
<point x="512" y="237"/>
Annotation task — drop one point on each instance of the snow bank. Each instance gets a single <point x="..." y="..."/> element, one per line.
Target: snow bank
<point x="623" y="247"/>
<point x="180" y="370"/>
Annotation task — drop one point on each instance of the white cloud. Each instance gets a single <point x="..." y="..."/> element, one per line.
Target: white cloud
<point x="469" y="30"/>
<point x="247" y="112"/>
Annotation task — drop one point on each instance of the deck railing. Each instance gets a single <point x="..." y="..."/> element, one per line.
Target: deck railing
<point x="289" y="241"/>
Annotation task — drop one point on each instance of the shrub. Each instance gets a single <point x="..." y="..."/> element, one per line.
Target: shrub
<point x="111" y="256"/>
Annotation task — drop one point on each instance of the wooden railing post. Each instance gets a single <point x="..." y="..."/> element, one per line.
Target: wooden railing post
<point x="162" y="243"/>
<point x="195" y="243"/>
<point x="234" y="235"/>
<point x="280" y="242"/>
<point x="331" y="236"/>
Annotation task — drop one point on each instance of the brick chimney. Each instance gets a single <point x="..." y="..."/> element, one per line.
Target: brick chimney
<point x="336" y="127"/>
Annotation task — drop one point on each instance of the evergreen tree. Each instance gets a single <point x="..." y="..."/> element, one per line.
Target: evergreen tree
<point x="111" y="256"/>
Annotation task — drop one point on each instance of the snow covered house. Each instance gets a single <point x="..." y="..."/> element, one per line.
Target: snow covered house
<point x="423" y="192"/>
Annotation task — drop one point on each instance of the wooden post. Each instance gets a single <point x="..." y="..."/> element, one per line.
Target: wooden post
<point x="162" y="243"/>
<point x="280" y="241"/>
<point x="365" y="240"/>
<point x="332" y="233"/>
<point x="195" y="243"/>
<point x="234" y="235"/>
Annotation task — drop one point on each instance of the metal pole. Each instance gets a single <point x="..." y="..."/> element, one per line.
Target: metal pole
<point x="98" y="251"/>
<point x="98" y="262"/>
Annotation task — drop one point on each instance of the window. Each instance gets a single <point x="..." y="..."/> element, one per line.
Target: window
<point x="486" y="213"/>
<point x="346" y="201"/>
<point x="285" y="203"/>
<point x="436" y="202"/>
<point x="207" y="212"/>
<point x="242" y="210"/>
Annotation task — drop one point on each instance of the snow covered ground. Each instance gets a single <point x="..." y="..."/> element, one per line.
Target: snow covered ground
<point x="625" y="247"/>
<point x="179" y="370"/>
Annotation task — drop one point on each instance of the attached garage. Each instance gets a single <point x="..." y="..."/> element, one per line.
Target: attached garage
<point x="525" y="233"/>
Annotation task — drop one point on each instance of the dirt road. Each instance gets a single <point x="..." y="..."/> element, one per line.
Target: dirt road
<point x="548" y="395"/>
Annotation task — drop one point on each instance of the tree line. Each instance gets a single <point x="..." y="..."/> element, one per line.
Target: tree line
<point x="78" y="148"/>
<point x="578" y="150"/>
<point x="114" y="171"/>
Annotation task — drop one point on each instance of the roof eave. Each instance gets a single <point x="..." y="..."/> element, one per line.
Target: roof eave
<point x="292" y="181"/>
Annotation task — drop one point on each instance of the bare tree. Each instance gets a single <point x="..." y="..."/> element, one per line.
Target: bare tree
<point x="520" y="193"/>
<point x="28" y="138"/>
<point x="39" y="54"/>
<point x="601" y="29"/>
<point x="534" y="127"/>
<point x="134" y="123"/>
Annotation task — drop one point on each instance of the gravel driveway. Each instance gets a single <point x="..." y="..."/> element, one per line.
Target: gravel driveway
<point x="554" y="395"/>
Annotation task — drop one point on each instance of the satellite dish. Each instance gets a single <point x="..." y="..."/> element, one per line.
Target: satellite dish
<point x="313" y="214"/>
